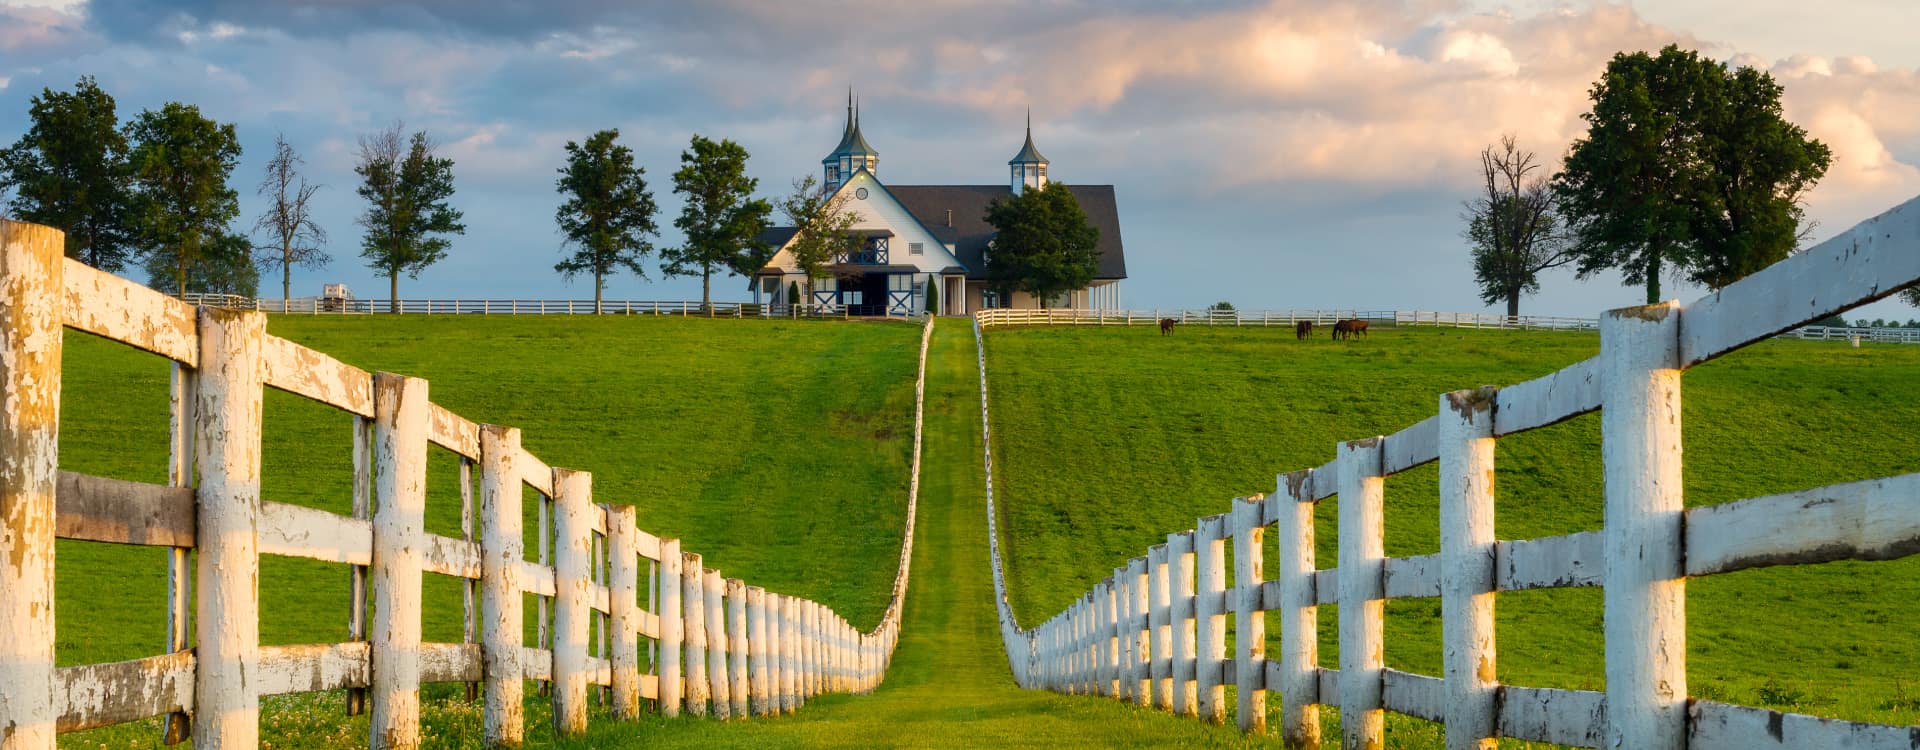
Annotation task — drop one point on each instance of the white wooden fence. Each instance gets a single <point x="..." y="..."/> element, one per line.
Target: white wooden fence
<point x="723" y="648"/>
<point x="683" y="308"/>
<point x="1156" y="631"/>
<point x="1265" y="318"/>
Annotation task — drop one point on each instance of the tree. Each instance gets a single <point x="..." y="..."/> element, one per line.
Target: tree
<point x="225" y="267"/>
<point x="69" y="171"/>
<point x="721" y="219"/>
<point x="1513" y="227"/>
<point x="180" y="164"/>
<point x="1042" y="243"/>
<point x="823" y="227"/>
<point x="1221" y="306"/>
<point x="933" y="295"/>
<point x="294" y="238"/>
<point x="608" y="214"/>
<point x="1687" y="166"/>
<point x="1911" y="295"/>
<point x="1748" y="214"/>
<point x="407" y="187"/>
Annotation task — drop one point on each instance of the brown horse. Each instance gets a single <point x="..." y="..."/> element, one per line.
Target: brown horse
<point x="1166" y="325"/>
<point x="1303" y="330"/>
<point x="1349" y="328"/>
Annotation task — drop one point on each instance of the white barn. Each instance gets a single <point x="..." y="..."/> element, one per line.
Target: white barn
<point x="914" y="235"/>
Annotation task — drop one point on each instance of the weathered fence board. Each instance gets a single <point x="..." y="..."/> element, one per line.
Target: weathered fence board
<point x="106" y="305"/>
<point x="98" y="695"/>
<point x="1718" y="726"/>
<point x="1562" y="717"/>
<point x="1577" y="559"/>
<point x="1876" y="519"/>
<point x="299" y="531"/>
<point x="301" y="371"/>
<point x="314" y="667"/>
<point x="98" y="509"/>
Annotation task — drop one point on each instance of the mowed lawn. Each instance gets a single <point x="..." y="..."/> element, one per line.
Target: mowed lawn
<point x="1106" y="439"/>
<point x="779" y="450"/>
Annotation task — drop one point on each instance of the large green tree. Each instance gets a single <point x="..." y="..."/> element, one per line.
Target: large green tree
<point x="1513" y="226"/>
<point x="823" y="229"/>
<point x="69" y="171"/>
<point x="225" y="267"/>
<point x="180" y="164"/>
<point x="721" y="219"/>
<point x="608" y="213"/>
<point x="407" y="186"/>
<point x="1042" y="244"/>
<point x="1687" y="165"/>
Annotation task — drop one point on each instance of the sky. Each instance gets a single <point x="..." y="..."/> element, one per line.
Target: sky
<point x="1283" y="154"/>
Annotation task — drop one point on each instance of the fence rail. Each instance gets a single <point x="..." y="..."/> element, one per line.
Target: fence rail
<point x="1155" y="632"/>
<point x="721" y="647"/>
<point x="683" y="308"/>
<point x="1264" y="318"/>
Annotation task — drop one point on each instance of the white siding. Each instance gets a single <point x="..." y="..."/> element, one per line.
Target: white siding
<point x="881" y="211"/>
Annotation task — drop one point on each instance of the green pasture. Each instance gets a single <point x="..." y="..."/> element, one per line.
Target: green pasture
<point x="1106" y="439"/>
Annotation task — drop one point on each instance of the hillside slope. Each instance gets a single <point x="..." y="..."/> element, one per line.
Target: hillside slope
<point x="1108" y="439"/>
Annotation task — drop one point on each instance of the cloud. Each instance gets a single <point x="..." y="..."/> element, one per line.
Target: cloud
<point x="1347" y="120"/>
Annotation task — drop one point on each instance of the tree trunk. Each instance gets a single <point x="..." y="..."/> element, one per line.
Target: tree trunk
<point x="1513" y="303"/>
<point x="180" y="275"/>
<point x="706" y="287"/>
<point x="1653" y="278"/>
<point x="286" y="276"/>
<point x="596" y="291"/>
<point x="393" y="293"/>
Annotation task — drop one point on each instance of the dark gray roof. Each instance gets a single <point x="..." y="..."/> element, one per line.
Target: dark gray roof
<point x="1028" y="154"/>
<point x="970" y="232"/>
<point x="776" y="237"/>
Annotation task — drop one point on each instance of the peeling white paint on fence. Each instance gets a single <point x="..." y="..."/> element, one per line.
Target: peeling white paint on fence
<point x="1642" y="557"/>
<point x="708" y="632"/>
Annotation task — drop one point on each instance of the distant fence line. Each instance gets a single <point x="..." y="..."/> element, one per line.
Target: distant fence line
<point x="683" y="308"/>
<point x="1397" y="318"/>
<point x="723" y="647"/>
<point x="1156" y="631"/>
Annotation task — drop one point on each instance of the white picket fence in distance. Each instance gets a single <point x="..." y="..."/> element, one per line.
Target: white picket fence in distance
<point x="723" y="648"/>
<point x="681" y="308"/>
<point x="1155" y="631"/>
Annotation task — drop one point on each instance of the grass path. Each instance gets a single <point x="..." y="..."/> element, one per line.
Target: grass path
<point x="949" y="685"/>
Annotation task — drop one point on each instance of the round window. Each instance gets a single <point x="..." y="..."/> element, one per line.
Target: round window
<point x="860" y="193"/>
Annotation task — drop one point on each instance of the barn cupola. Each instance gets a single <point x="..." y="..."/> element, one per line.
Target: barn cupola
<point x="853" y="152"/>
<point x="1028" y="168"/>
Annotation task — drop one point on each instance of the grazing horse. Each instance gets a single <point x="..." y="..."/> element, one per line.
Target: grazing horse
<point x="1166" y="325"/>
<point x="1303" y="330"/>
<point x="1349" y="328"/>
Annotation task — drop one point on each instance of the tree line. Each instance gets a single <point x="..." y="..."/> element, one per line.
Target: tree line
<point x="155" y="192"/>
<point x="1688" y="170"/>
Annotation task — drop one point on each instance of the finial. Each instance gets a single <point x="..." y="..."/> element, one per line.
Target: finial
<point x="1029" y="122"/>
<point x="856" y="112"/>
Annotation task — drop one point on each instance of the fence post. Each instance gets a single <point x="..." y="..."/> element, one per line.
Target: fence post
<point x="757" y="650"/>
<point x="671" y="628"/>
<point x="1160" y="670"/>
<point x="573" y="602"/>
<point x="1210" y="617"/>
<point x="1467" y="568"/>
<point x="1291" y="508"/>
<point x="623" y="585"/>
<point x="1180" y="559"/>
<point x="400" y="429"/>
<point x="32" y="268"/>
<point x="502" y="549"/>
<point x="738" y="647"/>
<point x="694" y="599"/>
<point x="1362" y="586"/>
<point x="1645" y="592"/>
<point x="716" y="611"/>
<point x="783" y="618"/>
<point x="1250" y="623"/>
<point x="227" y="401"/>
<point x="1137" y="632"/>
<point x="180" y="421"/>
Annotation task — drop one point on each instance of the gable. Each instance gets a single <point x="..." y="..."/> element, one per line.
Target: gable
<point x="880" y="210"/>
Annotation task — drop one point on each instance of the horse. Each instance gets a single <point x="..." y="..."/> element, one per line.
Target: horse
<point x="1303" y="330"/>
<point x="1349" y="328"/>
<point x="1166" y="325"/>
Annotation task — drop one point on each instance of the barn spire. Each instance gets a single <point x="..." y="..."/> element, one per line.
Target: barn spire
<point x="1028" y="169"/>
